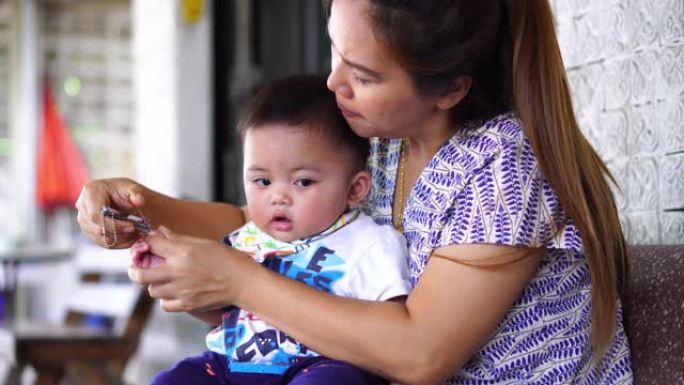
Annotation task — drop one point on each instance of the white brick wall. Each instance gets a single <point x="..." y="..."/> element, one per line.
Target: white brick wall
<point x="625" y="62"/>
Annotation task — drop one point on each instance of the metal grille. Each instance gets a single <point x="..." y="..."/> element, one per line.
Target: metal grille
<point x="88" y="59"/>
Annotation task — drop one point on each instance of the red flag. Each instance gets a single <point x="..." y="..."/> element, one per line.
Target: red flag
<point x="61" y="172"/>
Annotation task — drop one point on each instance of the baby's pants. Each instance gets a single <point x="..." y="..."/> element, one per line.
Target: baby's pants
<point x="210" y="368"/>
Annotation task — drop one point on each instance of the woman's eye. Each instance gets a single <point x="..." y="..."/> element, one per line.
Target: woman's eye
<point x="304" y="182"/>
<point x="263" y="182"/>
<point x="361" y="80"/>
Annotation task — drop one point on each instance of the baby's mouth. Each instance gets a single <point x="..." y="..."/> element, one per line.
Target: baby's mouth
<point x="281" y="223"/>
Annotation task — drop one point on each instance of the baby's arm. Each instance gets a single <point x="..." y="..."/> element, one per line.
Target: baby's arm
<point x="141" y="257"/>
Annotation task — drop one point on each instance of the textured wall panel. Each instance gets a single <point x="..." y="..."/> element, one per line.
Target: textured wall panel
<point x="672" y="227"/>
<point x="625" y="62"/>
<point x="671" y="182"/>
<point x="671" y="61"/>
<point x="642" y="183"/>
<point x="642" y="132"/>
<point x="671" y="19"/>
<point x="672" y="131"/>
<point x="643" y="228"/>
<point x="617" y="82"/>
<point x="612" y="133"/>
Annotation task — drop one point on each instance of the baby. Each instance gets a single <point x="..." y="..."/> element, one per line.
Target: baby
<point x="305" y="176"/>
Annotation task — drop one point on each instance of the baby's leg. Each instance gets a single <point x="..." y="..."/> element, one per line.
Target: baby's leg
<point x="210" y="368"/>
<point x="322" y="370"/>
<point x="207" y="369"/>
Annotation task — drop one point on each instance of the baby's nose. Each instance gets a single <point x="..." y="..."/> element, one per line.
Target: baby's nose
<point x="280" y="198"/>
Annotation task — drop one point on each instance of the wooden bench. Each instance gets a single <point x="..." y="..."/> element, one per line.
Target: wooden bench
<point x="80" y="350"/>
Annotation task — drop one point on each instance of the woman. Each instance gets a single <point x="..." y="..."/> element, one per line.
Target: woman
<point x="516" y="249"/>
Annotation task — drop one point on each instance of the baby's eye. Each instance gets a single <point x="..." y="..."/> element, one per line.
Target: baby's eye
<point x="304" y="182"/>
<point x="263" y="182"/>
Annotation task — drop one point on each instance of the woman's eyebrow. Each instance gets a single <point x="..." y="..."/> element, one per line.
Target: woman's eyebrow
<point x="354" y="65"/>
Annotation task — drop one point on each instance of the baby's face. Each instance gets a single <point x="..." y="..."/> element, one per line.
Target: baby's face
<point x="296" y="183"/>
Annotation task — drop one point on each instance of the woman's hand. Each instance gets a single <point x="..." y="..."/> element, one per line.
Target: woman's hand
<point x="197" y="274"/>
<point x="119" y="193"/>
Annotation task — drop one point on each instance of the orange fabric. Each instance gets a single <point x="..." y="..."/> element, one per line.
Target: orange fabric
<point x="61" y="171"/>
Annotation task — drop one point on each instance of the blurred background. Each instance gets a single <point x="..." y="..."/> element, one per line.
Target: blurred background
<point x="149" y="89"/>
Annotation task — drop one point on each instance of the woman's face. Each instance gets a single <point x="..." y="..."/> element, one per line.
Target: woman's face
<point x="376" y="95"/>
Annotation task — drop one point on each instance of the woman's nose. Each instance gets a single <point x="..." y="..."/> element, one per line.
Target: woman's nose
<point x="337" y="84"/>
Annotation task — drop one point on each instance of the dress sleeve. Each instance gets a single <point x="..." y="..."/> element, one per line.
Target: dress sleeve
<point x="507" y="201"/>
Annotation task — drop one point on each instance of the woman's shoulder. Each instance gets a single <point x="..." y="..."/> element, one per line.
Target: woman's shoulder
<point x="476" y="145"/>
<point x="499" y="134"/>
<point x="487" y="179"/>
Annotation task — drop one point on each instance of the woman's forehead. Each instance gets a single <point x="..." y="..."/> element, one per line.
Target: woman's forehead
<point x="352" y="36"/>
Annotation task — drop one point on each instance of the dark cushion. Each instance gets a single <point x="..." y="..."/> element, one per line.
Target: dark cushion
<point x="654" y="314"/>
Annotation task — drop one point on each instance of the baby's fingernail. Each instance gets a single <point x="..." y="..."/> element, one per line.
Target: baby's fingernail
<point x="128" y="230"/>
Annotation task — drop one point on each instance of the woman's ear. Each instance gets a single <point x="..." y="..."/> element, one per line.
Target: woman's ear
<point x="358" y="188"/>
<point x="453" y="95"/>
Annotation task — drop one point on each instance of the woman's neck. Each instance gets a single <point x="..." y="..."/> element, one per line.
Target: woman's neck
<point x="416" y="152"/>
<point x="422" y="146"/>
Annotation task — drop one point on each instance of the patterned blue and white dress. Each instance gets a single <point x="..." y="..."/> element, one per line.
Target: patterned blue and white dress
<point x="484" y="185"/>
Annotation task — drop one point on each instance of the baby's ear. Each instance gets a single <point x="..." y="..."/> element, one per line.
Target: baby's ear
<point x="359" y="188"/>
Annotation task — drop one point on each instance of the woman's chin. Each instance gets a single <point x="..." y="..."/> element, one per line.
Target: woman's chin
<point x="366" y="130"/>
<point x="363" y="129"/>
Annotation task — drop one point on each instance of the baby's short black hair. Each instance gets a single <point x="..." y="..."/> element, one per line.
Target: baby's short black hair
<point x="304" y="101"/>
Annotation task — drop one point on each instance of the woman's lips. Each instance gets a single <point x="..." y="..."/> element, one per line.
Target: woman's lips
<point x="347" y="113"/>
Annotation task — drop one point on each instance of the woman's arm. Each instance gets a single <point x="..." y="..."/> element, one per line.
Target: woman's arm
<point x="201" y="219"/>
<point x="211" y="220"/>
<point x="448" y="316"/>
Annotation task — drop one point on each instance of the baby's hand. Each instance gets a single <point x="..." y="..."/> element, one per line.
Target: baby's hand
<point x="140" y="253"/>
